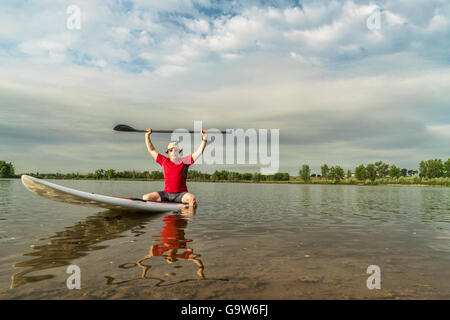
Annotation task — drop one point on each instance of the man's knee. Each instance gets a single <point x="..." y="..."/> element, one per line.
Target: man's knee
<point x="154" y="196"/>
<point x="190" y="198"/>
<point x="146" y="197"/>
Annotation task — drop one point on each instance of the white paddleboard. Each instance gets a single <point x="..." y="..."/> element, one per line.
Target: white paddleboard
<point x="56" y="192"/>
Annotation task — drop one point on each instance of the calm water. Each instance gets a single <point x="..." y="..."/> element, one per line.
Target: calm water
<point x="246" y="241"/>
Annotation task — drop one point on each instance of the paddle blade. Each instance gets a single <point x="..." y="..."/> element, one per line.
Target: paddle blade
<point x="124" y="127"/>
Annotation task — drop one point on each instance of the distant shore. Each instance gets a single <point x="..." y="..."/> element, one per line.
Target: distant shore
<point x="393" y="182"/>
<point x="434" y="172"/>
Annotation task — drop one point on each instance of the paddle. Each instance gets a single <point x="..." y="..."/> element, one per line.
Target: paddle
<point x="125" y="128"/>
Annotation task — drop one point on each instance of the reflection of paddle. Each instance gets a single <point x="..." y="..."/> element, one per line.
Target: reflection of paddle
<point x="125" y="128"/>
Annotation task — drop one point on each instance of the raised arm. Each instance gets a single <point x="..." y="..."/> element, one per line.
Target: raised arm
<point x="202" y="146"/>
<point x="150" y="147"/>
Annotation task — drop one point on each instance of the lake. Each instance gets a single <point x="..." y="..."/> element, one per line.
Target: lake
<point x="245" y="241"/>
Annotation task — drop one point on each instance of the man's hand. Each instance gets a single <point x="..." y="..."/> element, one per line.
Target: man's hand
<point x="202" y="146"/>
<point x="151" y="149"/>
<point x="204" y="134"/>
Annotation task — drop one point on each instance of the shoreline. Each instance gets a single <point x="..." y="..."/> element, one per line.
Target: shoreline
<point x="317" y="182"/>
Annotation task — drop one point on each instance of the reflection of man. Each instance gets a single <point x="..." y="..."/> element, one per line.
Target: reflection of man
<point x="173" y="245"/>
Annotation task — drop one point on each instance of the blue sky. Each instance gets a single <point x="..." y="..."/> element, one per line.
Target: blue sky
<point x="339" y="92"/>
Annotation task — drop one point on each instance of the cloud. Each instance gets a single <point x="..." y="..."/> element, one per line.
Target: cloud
<point x="197" y="25"/>
<point x="441" y="131"/>
<point x="118" y="33"/>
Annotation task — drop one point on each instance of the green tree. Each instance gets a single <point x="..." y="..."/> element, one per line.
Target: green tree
<point x="423" y="168"/>
<point x="99" y="174"/>
<point x="447" y="168"/>
<point x="325" y="171"/>
<point x="281" y="176"/>
<point x="349" y="174"/>
<point x="404" y="172"/>
<point x="257" y="176"/>
<point x="197" y="175"/>
<point x="156" y="175"/>
<point x="246" y="176"/>
<point x="382" y="169"/>
<point x="437" y="168"/>
<point x="6" y="169"/>
<point x="336" y="173"/>
<point x="220" y="175"/>
<point x="305" y="173"/>
<point x="110" y="174"/>
<point x="433" y="168"/>
<point x="234" y="176"/>
<point x="395" y="172"/>
<point x="360" y="172"/>
<point x="371" y="172"/>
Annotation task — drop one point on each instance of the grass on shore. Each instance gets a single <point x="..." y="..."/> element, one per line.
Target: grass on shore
<point x="416" y="181"/>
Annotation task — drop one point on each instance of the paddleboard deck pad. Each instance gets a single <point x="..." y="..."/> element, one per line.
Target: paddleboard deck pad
<point x="59" y="193"/>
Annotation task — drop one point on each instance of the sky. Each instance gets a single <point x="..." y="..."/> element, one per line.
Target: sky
<point x="345" y="82"/>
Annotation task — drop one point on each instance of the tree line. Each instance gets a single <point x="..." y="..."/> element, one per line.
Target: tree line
<point x="236" y="176"/>
<point x="193" y="175"/>
<point x="430" y="169"/>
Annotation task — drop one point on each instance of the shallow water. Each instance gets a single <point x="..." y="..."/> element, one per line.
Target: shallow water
<point x="246" y="241"/>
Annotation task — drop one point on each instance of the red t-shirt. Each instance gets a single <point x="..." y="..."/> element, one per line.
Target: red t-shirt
<point x="175" y="174"/>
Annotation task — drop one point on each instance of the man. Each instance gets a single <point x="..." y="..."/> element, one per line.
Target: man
<point x="175" y="172"/>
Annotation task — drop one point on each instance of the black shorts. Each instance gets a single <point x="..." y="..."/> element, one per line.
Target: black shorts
<point x="171" y="197"/>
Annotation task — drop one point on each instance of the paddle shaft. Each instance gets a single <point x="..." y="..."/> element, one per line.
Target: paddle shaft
<point x="126" y="128"/>
<point x="165" y="131"/>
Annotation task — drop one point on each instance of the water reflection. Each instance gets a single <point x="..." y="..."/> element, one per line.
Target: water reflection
<point x="172" y="246"/>
<point x="6" y="195"/>
<point x="77" y="241"/>
<point x="435" y="205"/>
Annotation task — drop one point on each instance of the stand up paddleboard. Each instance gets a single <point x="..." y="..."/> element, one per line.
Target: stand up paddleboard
<point x="56" y="192"/>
